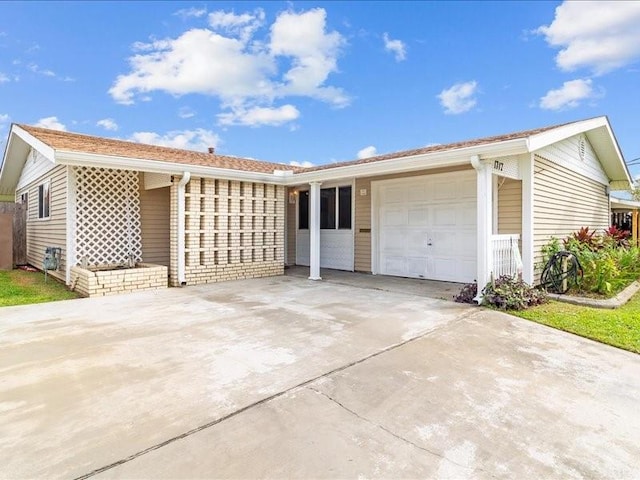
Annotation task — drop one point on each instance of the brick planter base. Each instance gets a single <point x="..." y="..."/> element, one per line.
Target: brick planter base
<point x="99" y="282"/>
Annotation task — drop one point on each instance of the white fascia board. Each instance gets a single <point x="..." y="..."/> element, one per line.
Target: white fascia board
<point x="620" y="158"/>
<point x="544" y="139"/>
<point x="10" y="171"/>
<point x="446" y="158"/>
<point x="622" y="203"/>
<point x="395" y="165"/>
<point x="79" y="159"/>
<point x="612" y="162"/>
<point x="5" y="169"/>
<point x="43" y="148"/>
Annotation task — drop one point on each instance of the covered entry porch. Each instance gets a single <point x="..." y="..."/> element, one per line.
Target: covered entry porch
<point x="457" y="224"/>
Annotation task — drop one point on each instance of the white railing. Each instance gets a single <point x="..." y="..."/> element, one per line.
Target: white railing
<point x="506" y="255"/>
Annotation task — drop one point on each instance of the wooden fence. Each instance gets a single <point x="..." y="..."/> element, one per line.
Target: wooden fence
<point x="13" y="234"/>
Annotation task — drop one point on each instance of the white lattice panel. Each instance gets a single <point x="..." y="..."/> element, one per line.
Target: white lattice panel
<point x="107" y="216"/>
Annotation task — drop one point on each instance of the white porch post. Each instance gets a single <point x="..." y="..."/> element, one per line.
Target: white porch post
<point x="186" y="177"/>
<point x="526" y="167"/>
<point x="484" y="221"/>
<point x="314" y="231"/>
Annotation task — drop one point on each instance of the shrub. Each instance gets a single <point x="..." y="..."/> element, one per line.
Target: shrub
<point x="548" y="251"/>
<point x="608" y="263"/>
<point x="467" y="294"/>
<point x="617" y="236"/>
<point x="586" y="239"/>
<point x="508" y="293"/>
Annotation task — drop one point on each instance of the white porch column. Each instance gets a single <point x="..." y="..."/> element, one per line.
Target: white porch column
<point x="484" y="217"/>
<point x="186" y="177"/>
<point x="526" y="167"/>
<point x="314" y="231"/>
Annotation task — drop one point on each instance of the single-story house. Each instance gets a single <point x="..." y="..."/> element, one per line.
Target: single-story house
<point x="458" y="212"/>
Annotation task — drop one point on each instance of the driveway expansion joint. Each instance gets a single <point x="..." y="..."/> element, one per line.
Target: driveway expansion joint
<point x="465" y="314"/>
<point x="392" y="433"/>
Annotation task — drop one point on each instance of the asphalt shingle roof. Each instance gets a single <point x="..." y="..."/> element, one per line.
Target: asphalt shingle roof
<point x="76" y="142"/>
<point x="439" y="148"/>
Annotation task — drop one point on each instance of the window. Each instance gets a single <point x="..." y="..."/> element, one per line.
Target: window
<point x="328" y="208"/>
<point x="344" y="207"/>
<point x="24" y="199"/>
<point x="303" y="211"/>
<point x="44" y="200"/>
<point x="335" y="209"/>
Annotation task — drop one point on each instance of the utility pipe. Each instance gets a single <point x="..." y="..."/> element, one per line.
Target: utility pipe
<point x="186" y="176"/>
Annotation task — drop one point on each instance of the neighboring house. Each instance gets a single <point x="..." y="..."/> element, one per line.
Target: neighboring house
<point x="625" y="214"/>
<point x="443" y="212"/>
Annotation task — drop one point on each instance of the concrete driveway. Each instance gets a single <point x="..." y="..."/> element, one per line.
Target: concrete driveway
<point x="284" y="377"/>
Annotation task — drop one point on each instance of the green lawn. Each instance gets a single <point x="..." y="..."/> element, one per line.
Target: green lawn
<point x="18" y="287"/>
<point x="619" y="327"/>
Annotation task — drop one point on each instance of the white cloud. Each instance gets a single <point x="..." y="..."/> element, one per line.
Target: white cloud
<point x="186" y="112"/>
<point x="313" y="52"/>
<point x="4" y="78"/>
<point x="51" y="123"/>
<point x="45" y="72"/>
<point x="199" y="61"/>
<point x="108" y="124"/>
<point x="192" y="12"/>
<point x="397" y="47"/>
<point x="198" y="139"/>
<point x="4" y="118"/>
<point x="599" y="35"/>
<point x="230" y="61"/>
<point x="569" y="95"/>
<point x="304" y="164"/>
<point x="367" y="152"/>
<point x="35" y="68"/>
<point x="258" y="116"/>
<point x="242" y="26"/>
<point x="459" y="98"/>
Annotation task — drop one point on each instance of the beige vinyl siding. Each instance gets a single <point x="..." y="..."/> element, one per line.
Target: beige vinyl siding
<point x="155" y="215"/>
<point x="509" y="206"/>
<point x="50" y="232"/>
<point x="290" y="257"/>
<point x="564" y="201"/>
<point x="362" y="245"/>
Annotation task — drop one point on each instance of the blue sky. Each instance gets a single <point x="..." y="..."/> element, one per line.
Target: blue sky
<point x="316" y="82"/>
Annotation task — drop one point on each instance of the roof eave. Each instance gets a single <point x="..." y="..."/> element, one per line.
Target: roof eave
<point x="609" y="154"/>
<point x="35" y="143"/>
<point x="622" y="203"/>
<point x="458" y="156"/>
<point x="10" y="171"/>
<point x="82" y="159"/>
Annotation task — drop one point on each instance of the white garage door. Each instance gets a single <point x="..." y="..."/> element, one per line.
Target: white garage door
<point x="427" y="227"/>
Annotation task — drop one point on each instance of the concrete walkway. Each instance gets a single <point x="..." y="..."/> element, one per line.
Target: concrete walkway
<point x="284" y="377"/>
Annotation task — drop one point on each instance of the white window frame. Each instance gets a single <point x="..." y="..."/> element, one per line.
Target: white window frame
<point x="44" y="187"/>
<point x="336" y="187"/>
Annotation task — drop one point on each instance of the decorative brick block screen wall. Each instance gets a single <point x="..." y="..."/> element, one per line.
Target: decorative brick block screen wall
<point x="98" y="283"/>
<point x="234" y="230"/>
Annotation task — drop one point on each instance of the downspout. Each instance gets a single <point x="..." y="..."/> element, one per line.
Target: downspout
<point x="186" y="176"/>
<point x="475" y="162"/>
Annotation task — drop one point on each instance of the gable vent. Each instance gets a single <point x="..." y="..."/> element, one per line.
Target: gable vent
<point x="582" y="147"/>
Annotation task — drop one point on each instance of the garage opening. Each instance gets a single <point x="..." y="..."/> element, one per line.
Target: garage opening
<point x="425" y="227"/>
